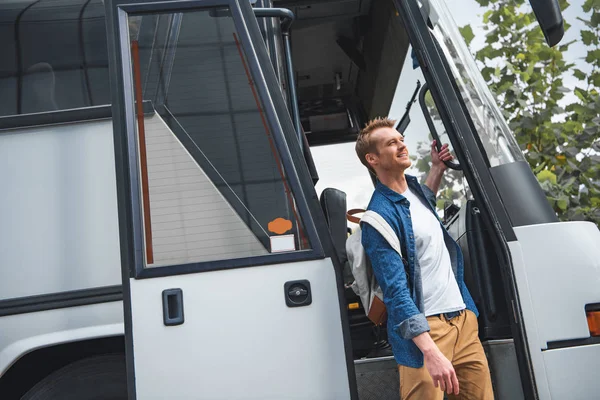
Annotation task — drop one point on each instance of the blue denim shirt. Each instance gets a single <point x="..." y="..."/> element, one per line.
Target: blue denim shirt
<point x="406" y="318"/>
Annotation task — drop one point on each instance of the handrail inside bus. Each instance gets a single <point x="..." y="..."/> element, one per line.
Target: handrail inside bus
<point x="287" y="17"/>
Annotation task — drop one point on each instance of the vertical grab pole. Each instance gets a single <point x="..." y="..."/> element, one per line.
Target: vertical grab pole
<point x="292" y="85"/>
<point x="135" y="56"/>
<point x="287" y="18"/>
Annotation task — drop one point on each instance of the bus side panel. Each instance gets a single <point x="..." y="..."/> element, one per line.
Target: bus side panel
<point x="573" y="372"/>
<point x="59" y="225"/>
<point x="557" y="269"/>
<point x="23" y="333"/>
<point x="562" y="263"/>
<point x="531" y="328"/>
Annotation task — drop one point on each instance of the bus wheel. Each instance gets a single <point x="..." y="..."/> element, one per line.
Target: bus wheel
<point x="100" y="377"/>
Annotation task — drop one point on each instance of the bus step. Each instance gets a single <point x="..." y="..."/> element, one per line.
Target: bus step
<point x="377" y="378"/>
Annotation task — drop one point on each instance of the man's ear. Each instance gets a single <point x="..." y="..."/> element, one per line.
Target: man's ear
<point x="371" y="158"/>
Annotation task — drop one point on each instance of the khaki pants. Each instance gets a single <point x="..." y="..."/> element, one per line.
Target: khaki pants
<point x="458" y="340"/>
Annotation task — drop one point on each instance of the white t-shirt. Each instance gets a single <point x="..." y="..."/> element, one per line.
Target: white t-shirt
<point x="440" y="290"/>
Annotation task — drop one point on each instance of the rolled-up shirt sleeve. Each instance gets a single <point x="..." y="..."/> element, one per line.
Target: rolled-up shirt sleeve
<point x="389" y="271"/>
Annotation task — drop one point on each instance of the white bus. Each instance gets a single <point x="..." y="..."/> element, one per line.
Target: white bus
<point x="175" y="179"/>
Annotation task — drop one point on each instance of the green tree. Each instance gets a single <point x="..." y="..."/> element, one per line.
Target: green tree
<point x="558" y="134"/>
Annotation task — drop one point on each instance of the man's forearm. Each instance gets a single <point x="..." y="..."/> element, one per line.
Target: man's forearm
<point x="425" y="343"/>
<point x="438" y="365"/>
<point x="434" y="179"/>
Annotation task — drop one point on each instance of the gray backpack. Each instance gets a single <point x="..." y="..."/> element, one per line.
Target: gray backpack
<point x="365" y="284"/>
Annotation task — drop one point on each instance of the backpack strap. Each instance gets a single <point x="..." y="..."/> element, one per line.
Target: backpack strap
<point x="382" y="226"/>
<point x="377" y="222"/>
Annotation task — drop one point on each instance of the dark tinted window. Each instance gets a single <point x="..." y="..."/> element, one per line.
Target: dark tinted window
<point x="54" y="56"/>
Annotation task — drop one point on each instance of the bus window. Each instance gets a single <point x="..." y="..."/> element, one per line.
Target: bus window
<point x="498" y="141"/>
<point x="60" y="56"/>
<point x="213" y="185"/>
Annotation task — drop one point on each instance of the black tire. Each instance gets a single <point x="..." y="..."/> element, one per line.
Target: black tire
<point x="95" y="378"/>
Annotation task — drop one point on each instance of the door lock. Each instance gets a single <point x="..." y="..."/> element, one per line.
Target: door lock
<point x="297" y="293"/>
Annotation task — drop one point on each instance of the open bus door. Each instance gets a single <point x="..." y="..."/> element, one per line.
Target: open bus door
<point x="229" y="290"/>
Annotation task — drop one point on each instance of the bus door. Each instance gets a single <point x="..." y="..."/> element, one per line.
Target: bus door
<point x="229" y="291"/>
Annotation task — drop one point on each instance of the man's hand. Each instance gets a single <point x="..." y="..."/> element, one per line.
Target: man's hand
<point x="434" y="178"/>
<point x="439" y="367"/>
<point x="438" y="158"/>
<point x="441" y="371"/>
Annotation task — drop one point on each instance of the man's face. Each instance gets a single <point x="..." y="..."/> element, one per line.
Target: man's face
<point x="392" y="153"/>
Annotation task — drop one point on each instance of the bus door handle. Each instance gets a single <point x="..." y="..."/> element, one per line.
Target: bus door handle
<point x="172" y="302"/>
<point x="297" y="293"/>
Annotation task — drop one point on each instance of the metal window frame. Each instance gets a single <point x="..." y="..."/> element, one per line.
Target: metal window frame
<point x="126" y="153"/>
<point x="13" y="123"/>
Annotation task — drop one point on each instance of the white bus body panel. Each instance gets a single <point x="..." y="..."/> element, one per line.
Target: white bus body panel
<point x="59" y="229"/>
<point x="573" y="372"/>
<point x="557" y="267"/>
<point x="240" y="340"/>
<point x="23" y="333"/>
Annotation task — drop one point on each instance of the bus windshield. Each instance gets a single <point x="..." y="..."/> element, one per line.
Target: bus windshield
<point x="499" y="143"/>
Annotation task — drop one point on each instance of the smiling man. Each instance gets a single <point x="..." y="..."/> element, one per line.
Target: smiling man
<point x="432" y="319"/>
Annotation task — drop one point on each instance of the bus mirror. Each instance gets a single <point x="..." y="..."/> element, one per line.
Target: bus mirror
<point x="550" y="18"/>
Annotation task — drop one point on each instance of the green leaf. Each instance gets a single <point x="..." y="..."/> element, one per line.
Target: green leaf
<point x="572" y="151"/>
<point x="587" y="6"/>
<point x="486" y="16"/>
<point x="579" y="74"/>
<point x="440" y="204"/>
<point x="593" y="55"/>
<point x="528" y="123"/>
<point x="545" y="54"/>
<point x="487" y="73"/>
<point x="563" y="4"/>
<point x="577" y="108"/>
<point x="467" y="33"/>
<point x="588" y="37"/>
<point x="546" y="176"/>
<point x="580" y="93"/>
<point x="585" y="21"/>
<point x="569" y="182"/>
<point x="562" y="204"/>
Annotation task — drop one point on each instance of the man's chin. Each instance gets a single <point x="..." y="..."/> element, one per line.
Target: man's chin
<point x="405" y="164"/>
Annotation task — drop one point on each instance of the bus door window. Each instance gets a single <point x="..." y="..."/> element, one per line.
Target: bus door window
<point x="213" y="184"/>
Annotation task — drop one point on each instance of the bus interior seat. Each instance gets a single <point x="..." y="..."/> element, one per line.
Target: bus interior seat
<point x="333" y="203"/>
<point x="39" y="85"/>
<point x="482" y="272"/>
<point x="367" y="339"/>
